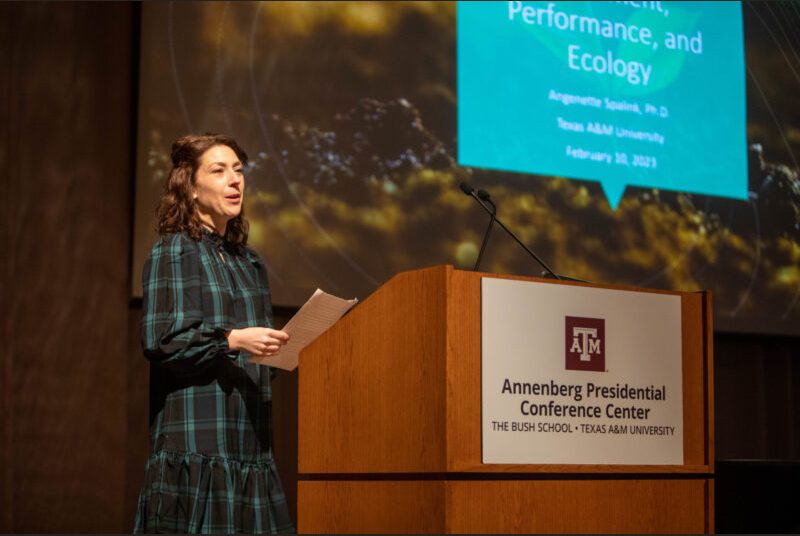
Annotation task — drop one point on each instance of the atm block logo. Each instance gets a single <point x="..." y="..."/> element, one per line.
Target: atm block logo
<point x="585" y="343"/>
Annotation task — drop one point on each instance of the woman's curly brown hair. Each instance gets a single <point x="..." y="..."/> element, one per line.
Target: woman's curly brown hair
<point x="177" y="210"/>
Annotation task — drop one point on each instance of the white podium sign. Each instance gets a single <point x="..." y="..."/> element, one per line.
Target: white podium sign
<point x="580" y="375"/>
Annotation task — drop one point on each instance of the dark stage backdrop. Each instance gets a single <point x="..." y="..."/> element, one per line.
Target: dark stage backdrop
<point x="66" y="135"/>
<point x="349" y="113"/>
<point x="73" y="382"/>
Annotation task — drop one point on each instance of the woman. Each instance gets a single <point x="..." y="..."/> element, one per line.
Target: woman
<point x="206" y="308"/>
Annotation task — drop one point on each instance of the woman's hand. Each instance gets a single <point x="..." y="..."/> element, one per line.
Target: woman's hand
<point x="260" y="342"/>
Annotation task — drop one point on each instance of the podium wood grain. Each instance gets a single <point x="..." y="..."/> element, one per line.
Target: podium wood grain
<point x="506" y="507"/>
<point x="394" y="389"/>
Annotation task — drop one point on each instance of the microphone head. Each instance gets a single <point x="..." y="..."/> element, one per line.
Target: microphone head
<point x="484" y="195"/>
<point x="466" y="188"/>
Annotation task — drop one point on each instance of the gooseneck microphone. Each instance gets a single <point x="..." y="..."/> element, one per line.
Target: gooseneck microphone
<point x="484" y="200"/>
<point x="482" y="194"/>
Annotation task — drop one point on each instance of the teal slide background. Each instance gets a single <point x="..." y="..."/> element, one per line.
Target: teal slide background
<point x="507" y="68"/>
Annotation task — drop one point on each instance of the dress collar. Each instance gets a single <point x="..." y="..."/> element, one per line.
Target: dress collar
<point x="214" y="237"/>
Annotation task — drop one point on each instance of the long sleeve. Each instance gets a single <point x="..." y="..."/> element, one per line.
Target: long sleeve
<point x="174" y="332"/>
<point x="263" y="286"/>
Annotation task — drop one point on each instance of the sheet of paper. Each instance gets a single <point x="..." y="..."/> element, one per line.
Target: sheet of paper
<point x="320" y="312"/>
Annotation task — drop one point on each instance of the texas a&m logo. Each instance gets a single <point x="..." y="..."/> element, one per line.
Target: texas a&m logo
<point x="585" y="343"/>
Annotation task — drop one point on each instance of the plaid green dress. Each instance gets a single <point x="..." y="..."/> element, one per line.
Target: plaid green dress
<point x="211" y="467"/>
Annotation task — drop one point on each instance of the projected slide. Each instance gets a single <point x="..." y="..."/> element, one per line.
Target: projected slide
<point x="362" y="118"/>
<point x="649" y="94"/>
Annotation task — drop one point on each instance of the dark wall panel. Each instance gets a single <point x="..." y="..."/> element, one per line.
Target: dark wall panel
<point x="757" y="392"/>
<point x="138" y="436"/>
<point x="66" y="147"/>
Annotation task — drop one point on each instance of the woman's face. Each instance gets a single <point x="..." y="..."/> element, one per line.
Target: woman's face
<point x="219" y="187"/>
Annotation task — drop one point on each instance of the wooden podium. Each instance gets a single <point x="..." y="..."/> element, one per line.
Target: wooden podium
<point x="390" y="429"/>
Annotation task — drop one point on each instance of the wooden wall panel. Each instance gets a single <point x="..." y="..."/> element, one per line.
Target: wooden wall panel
<point x="66" y="147"/>
<point x="6" y="282"/>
